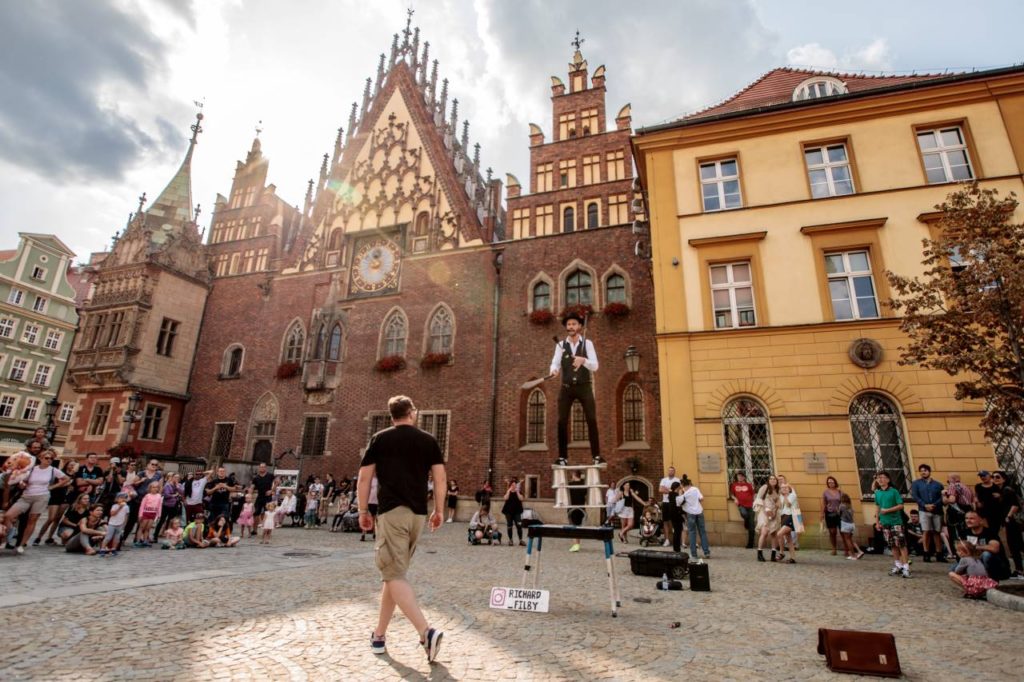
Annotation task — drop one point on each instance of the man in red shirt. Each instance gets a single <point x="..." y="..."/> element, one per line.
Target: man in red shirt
<point x="743" y="493"/>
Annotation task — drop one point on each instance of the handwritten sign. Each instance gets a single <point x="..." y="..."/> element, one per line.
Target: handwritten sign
<point x="519" y="599"/>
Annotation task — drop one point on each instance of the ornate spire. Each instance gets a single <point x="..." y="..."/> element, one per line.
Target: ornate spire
<point x="380" y="75"/>
<point x="454" y="122"/>
<point x="309" y="197"/>
<point x="424" y="60"/>
<point x="577" y="56"/>
<point x="394" y="50"/>
<point x="172" y="210"/>
<point x="338" y="145"/>
<point x="433" y="83"/>
<point x="323" y="170"/>
<point x="415" y="49"/>
<point x="476" y="158"/>
<point x="366" y="98"/>
<point x="443" y="104"/>
<point x="406" y="32"/>
<point x="142" y="202"/>
<point x="352" y="121"/>
<point x="195" y="213"/>
<point x="465" y="137"/>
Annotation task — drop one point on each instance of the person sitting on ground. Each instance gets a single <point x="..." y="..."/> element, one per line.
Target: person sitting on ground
<point x="648" y="528"/>
<point x="219" y="533"/>
<point x="344" y="505"/>
<point x="287" y="508"/>
<point x="90" y="532"/>
<point x="69" y="521"/>
<point x="173" y="535"/>
<point x="483" y="526"/>
<point x="969" y="574"/>
<point x="195" y="532"/>
<point x="992" y="553"/>
<point x="915" y="534"/>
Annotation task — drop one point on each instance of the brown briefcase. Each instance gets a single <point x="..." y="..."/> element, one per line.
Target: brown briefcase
<point x="864" y="653"/>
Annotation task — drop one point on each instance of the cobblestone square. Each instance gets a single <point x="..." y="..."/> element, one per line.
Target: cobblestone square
<point x="303" y="608"/>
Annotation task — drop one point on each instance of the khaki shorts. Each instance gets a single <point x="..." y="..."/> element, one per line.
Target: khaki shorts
<point x="930" y="521"/>
<point x="397" y="532"/>
<point x="35" y="504"/>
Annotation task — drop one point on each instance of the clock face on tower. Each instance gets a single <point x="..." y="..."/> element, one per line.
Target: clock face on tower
<point x="375" y="266"/>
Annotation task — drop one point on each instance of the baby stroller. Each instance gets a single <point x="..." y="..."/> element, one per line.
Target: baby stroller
<point x="651" y="532"/>
<point x="350" y="521"/>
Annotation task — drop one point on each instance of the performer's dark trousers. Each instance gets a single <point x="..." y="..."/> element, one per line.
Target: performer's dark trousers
<point x="585" y="394"/>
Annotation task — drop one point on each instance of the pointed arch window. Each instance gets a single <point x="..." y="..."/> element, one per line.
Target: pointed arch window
<point x="293" y="344"/>
<point x="878" y="442"/>
<point x="568" y="219"/>
<point x="535" y="412"/>
<point x="421" y="238"/>
<point x="321" y="342"/>
<point x="541" y="296"/>
<point x="395" y="333"/>
<point x="334" y="344"/>
<point x="578" y="424"/>
<point x="593" y="216"/>
<point x="615" y="289"/>
<point x="231" y="365"/>
<point x="442" y="329"/>
<point x="578" y="288"/>
<point x="748" y="446"/>
<point x="633" y="414"/>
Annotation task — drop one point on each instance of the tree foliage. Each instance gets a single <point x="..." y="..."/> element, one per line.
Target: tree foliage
<point x="966" y="315"/>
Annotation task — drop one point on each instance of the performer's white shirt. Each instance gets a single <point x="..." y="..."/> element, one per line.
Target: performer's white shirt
<point x="590" y="362"/>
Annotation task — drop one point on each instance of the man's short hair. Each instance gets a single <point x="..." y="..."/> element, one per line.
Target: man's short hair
<point x="400" y="406"/>
<point x="924" y="466"/>
<point x="884" y="473"/>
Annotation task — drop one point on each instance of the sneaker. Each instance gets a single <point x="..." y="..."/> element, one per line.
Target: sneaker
<point x="905" y="572"/>
<point x="377" y="644"/>
<point x="852" y="558"/>
<point x="114" y="553"/>
<point x="20" y="549"/>
<point x="859" y="555"/>
<point x="666" y="543"/>
<point x="432" y="643"/>
<point x="707" y="556"/>
<point x="49" y="541"/>
<point x="448" y="521"/>
<point x="35" y="543"/>
<point x="1017" y="575"/>
<point x="575" y="547"/>
<point x="895" y="570"/>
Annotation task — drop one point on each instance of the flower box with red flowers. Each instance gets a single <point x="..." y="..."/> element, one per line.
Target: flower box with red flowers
<point x="616" y="309"/>
<point x="125" y="452"/>
<point x="431" y="360"/>
<point x="390" y="363"/>
<point x="541" y="316"/>
<point x="287" y="370"/>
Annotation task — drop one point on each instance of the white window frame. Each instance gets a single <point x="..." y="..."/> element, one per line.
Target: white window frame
<point x="443" y="439"/>
<point x="719" y="181"/>
<point x="41" y="277"/>
<point x="8" y="406"/>
<point x="816" y="87"/>
<point x="30" y="413"/>
<point x="943" y="150"/>
<point x="731" y="285"/>
<point x="7" y="327"/>
<point x="30" y="334"/>
<point x="146" y="426"/>
<point x="16" y="296"/>
<point x="90" y="427"/>
<point x="848" y="275"/>
<point x="22" y="371"/>
<point x="44" y="372"/>
<point x="67" y="411"/>
<point x="54" y="339"/>
<point x="829" y="168"/>
<point x="40" y="304"/>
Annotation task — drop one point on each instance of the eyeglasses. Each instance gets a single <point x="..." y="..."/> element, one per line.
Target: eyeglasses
<point x="999" y="476"/>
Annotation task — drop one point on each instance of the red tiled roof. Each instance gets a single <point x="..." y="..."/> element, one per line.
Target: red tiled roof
<point x="8" y="254"/>
<point x="777" y="86"/>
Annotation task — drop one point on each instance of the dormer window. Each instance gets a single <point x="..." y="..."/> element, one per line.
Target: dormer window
<point x="819" y="86"/>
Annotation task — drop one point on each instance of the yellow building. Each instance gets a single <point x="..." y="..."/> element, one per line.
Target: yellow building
<point x="774" y="216"/>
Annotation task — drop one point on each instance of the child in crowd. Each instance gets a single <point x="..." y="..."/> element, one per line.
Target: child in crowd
<point x="648" y="528"/>
<point x="115" y="525"/>
<point x="312" y="499"/>
<point x="286" y="508"/>
<point x="195" y="532"/>
<point x="269" y="521"/>
<point x="300" y="506"/>
<point x="173" y="535"/>
<point x="847" y="528"/>
<point x="149" y="511"/>
<point x="483" y="526"/>
<point x="969" y="574"/>
<point x="219" y="533"/>
<point x="245" y="519"/>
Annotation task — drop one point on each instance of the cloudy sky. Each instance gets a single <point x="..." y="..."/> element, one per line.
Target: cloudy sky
<point x="97" y="96"/>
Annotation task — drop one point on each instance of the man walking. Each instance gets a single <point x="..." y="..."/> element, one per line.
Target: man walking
<point x="889" y="519"/>
<point x="927" y="492"/>
<point x="401" y="457"/>
<point x="667" y="504"/>
<point x="575" y="360"/>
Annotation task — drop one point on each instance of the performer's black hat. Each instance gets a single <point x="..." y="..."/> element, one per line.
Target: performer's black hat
<point x="573" y="315"/>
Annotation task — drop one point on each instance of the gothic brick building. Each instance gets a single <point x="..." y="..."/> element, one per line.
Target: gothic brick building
<point x="401" y="275"/>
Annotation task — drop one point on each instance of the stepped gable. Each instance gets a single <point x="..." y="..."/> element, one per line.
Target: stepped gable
<point x="777" y="86"/>
<point x="401" y="165"/>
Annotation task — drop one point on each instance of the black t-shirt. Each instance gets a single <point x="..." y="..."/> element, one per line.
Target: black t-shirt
<point x="88" y="473"/>
<point x="219" y="497"/>
<point x="403" y="456"/>
<point x="263" y="484"/>
<point x="73" y="516"/>
<point x="1008" y="498"/>
<point x="988" y="497"/>
<point x="984" y="536"/>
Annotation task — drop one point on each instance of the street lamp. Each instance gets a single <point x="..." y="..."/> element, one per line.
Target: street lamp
<point x="132" y="413"/>
<point x="51" y="409"/>
<point x="632" y="360"/>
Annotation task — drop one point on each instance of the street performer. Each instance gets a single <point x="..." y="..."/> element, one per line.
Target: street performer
<point x="575" y="360"/>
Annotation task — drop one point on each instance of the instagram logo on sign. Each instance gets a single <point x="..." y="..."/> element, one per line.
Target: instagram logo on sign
<point x="499" y="595"/>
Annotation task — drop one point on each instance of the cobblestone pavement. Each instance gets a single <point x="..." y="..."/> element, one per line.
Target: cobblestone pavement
<point x="303" y="608"/>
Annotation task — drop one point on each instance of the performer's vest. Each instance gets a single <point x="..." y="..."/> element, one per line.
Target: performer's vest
<point x="572" y="376"/>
